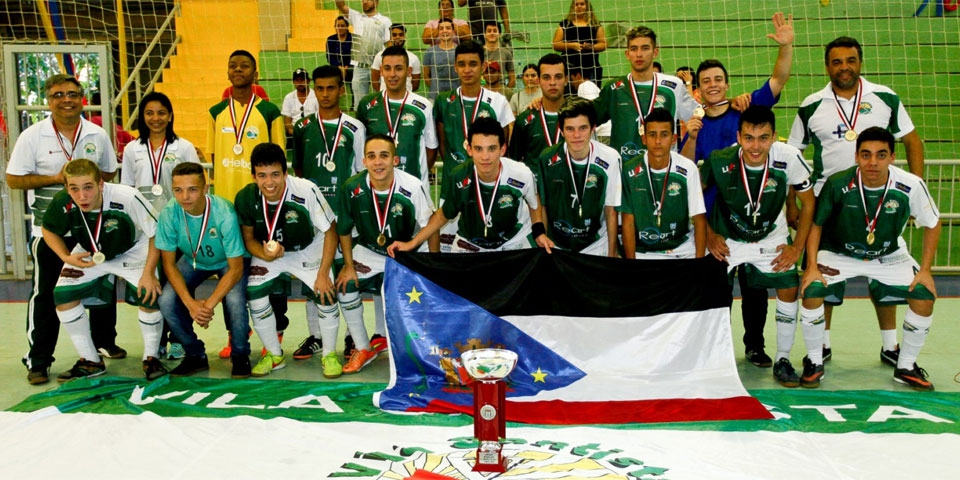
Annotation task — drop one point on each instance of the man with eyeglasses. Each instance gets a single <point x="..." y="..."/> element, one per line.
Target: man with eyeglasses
<point x="298" y="103"/>
<point x="36" y="165"/>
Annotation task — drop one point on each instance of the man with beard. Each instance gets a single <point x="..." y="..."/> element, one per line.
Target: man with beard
<point x="298" y="103"/>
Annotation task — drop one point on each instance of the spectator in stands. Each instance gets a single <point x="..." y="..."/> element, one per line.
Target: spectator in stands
<point x="298" y="103"/>
<point x="431" y="31"/>
<point x="580" y="39"/>
<point x="531" y="89"/>
<point x="482" y="11"/>
<point x="685" y="73"/>
<point x="371" y="31"/>
<point x="587" y="89"/>
<point x="438" y="62"/>
<point x="36" y="165"/>
<point x="398" y="38"/>
<point x="500" y="67"/>
<point x="338" y="51"/>
<point x="657" y="67"/>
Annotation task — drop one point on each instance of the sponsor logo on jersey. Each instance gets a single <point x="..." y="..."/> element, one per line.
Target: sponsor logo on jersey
<point x="681" y="170"/>
<point x="110" y="225"/>
<point x="169" y="158"/>
<point x="591" y="181"/>
<point x="463" y="183"/>
<point x="902" y="187"/>
<point x="291" y="216"/>
<point x="515" y="183"/>
<point x="116" y="206"/>
<point x="617" y="84"/>
<point x="505" y="201"/>
<point x="408" y="119"/>
<point x="891" y="206"/>
<point x="213" y="232"/>
<point x="350" y="126"/>
<point x="629" y="150"/>
<point x="529" y="119"/>
<point x="236" y="163"/>
<point x="297" y="199"/>
<point x="397" y="209"/>
<point x="304" y="122"/>
<point x="419" y="104"/>
<point x="780" y="165"/>
<point x="603" y="164"/>
<point x="404" y="192"/>
<point x="728" y="168"/>
<point x="668" y="83"/>
<point x="673" y="189"/>
<point x="652" y="236"/>
<point x="90" y="149"/>
<point x="357" y="192"/>
<point x="554" y="160"/>
<point x="771" y="185"/>
<point x="253" y="133"/>
<point x="866" y="108"/>
<point x="569" y="230"/>
<point x="860" y="250"/>
<point x="483" y="114"/>
<point x="373" y="102"/>
<point x="661" y="100"/>
<point x="636" y="171"/>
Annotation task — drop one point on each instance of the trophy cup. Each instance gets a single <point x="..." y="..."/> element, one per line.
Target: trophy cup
<point x="489" y="366"/>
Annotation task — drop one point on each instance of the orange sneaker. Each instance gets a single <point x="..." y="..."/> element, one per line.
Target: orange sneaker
<point x="359" y="359"/>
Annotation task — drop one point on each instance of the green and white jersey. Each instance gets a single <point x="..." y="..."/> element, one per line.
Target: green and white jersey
<point x="574" y="193"/>
<point x="732" y="214"/>
<point x="37" y="152"/>
<point x="221" y="240"/>
<point x="312" y="149"/>
<point x="678" y="185"/>
<point x="409" y="210"/>
<point x="819" y="123"/>
<point x="138" y="169"/>
<point x="841" y="213"/>
<point x="454" y="113"/>
<point x="412" y="121"/>
<point x="508" y="208"/>
<point x="304" y="214"/>
<point x="616" y="103"/>
<point x="127" y="220"/>
<point x="534" y="131"/>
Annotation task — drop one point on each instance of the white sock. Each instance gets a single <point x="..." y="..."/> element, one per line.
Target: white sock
<point x="313" y="321"/>
<point x="826" y="339"/>
<point x="812" y="323"/>
<point x="786" y="327"/>
<point x="265" y="324"/>
<point x="151" y="326"/>
<point x="380" y="326"/>
<point x="352" y="307"/>
<point x="328" y="322"/>
<point x="889" y="338"/>
<point x="915" y="329"/>
<point x="77" y="324"/>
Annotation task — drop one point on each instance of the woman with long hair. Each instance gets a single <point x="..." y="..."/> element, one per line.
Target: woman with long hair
<point x="580" y="39"/>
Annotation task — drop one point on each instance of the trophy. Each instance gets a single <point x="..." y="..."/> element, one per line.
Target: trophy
<point x="489" y="366"/>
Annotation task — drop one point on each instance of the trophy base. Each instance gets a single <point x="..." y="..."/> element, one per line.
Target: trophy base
<point x="498" y="467"/>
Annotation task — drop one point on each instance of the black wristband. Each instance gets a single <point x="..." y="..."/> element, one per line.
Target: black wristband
<point x="538" y="229"/>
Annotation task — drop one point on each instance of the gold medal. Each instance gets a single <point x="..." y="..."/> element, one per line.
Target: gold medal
<point x="237" y="149"/>
<point x="157" y="190"/>
<point x="870" y="238"/>
<point x="699" y="112"/>
<point x="640" y="129"/>
<point x="850" y="135"/>
<point x="99" y="258"/>
<point x="381" y="240"/>
<point x="272" y="246"/>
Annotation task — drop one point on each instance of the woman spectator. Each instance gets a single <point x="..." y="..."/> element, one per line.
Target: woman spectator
<point x="338" y="51"/>
<point x="580" y="39"/>
<point x="439" y="61"/>
<point x="531" y="89"/>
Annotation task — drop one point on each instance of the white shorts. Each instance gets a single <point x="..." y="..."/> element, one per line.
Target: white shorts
<point x="889" y="276"/>
<point x="303" y="264"/>
<point x="80" y="283"/>
<point x="758" y="256"/>
<point x="687" y="249"/>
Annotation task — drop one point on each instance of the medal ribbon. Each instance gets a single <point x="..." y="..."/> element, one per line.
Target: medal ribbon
<point x="487" y="217"/>
<point x="754" y="206"/>
<point x="157" y="162"/>
<point x="272" y="224"/>
<point x="393" y="126"/>
<point x="336" y="139"/>
<point x="852" y="120"/>
<point x="551" y="140"/>
<point x="658" y="205"/>
<point x="73" y="143"/>
<point x="636" y="98"/>
<point x="586" y="173"/>
<point x="238" y="132"/>
<point x="203" y="228"/>
<point x="476" y="110"/>
<point x="94" y="237"/>
<point x="381" y="219"/>
<point x="871" y="224"/>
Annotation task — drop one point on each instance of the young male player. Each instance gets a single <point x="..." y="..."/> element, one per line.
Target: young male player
<point x="289" y="229"/>
<point x="114" y="227"/>
<point x="748" y="227"/>
<point x="857" y="231"/>
<point x="537" y="128"/>
<point x="578" y="182"/>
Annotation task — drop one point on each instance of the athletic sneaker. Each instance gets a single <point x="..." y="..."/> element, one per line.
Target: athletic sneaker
<point x="176" y="352"/>
<point x="263" y="351"/>
<point x="191" y="365"/>
<point x="308" y="347"/>
<point x="37" y="375"/>
<point x="827" y="354"/>
<point x="378" y="343"/>
<point x="915" y="378"/>
<point x="267" y="364"/>
<point x="812" y="374"/>
<point x="227" y="352"/>
<point x="359" y="359"/>
<point x="785" y="374"/>
<point x="241" y="367"/>
<point x="348" y="346"/>
<point x="113" y="352"/>
<point x="82" y="369"/>
<point x="153" y="369"/>
<point x="759" y="358"/>
<point x="331" y="365"/>
<point x="890" y="357"/>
